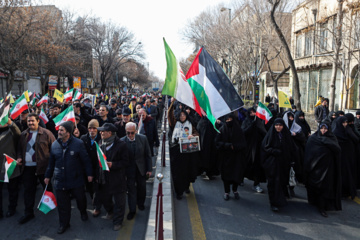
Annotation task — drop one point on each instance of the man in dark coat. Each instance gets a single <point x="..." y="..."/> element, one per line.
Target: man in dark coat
<point x="321" y="112"/>
<point x="89" y="140"/>
<point x="254" y="130"/>
<point x="140" y="167"/>
<point x="149" y="130"/>
<point x="120" y="125"/>
<point x="151" y="110"/>
<point x="113" y="108"/>
<point x="113" y="182"/>
<point x="69" y="157"/>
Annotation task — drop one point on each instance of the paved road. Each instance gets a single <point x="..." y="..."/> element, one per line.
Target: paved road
<point x="203" y="214"/>
<point x="44" y="227"/>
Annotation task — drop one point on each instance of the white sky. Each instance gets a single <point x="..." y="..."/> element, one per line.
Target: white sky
<point x="150" y="21"/>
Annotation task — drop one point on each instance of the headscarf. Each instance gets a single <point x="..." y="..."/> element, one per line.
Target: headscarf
<point x="294" y="127"/>
<point x="302" y="122"/>
<point x="339" y="130"/>
<point x="182" y="129"/>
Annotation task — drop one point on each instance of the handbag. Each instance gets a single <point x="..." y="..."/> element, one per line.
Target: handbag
<point x="292" y="180"/>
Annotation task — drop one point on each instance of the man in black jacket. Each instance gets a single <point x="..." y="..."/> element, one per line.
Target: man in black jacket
<point x="321" y="112"/>
<point x="114" y="181"/>
<point x="69" y="158"/>
<point x="140" y="167"/>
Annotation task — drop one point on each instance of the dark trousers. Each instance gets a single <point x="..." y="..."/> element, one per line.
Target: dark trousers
<point x="227" y="186"/>
<point x="13" y="190"/>
<point x="136" y="187"/>
<point x="104" y="196"/>
<point x="29" y="179"/>
<point x="63" y="199"/>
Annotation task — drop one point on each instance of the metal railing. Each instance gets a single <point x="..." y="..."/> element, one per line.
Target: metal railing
<point x="159" y="223"/>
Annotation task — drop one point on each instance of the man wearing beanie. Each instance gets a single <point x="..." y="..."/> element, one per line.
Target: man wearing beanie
<point x="68" y="155"/>
<point x="113" y="183"/>
<point x="89" y="140"/>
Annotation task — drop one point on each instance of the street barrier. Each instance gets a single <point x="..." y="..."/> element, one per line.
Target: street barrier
<point x="159" y="227"/>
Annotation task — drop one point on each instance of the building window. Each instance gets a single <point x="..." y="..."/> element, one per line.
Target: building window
<point x="308" y="43"/>
<point x="299" y="45"/>
<point x="323" y="37"/>
<point x="357" y="34"/>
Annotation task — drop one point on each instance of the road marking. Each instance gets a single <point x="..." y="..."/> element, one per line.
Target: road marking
<point x="357" y="200"/>
<point x="127" y="228"/>
<point x="195" y="218"/>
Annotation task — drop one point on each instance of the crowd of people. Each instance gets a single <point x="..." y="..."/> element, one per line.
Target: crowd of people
<point x="64" y="159"/>
<point x="325" y="161"/>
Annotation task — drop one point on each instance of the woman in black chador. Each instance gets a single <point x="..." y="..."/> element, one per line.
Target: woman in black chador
<point x="278" y="155"/>
<point x="231" y="145"/>
<point x="323" y="170"/>
<point x="344" y="136"/>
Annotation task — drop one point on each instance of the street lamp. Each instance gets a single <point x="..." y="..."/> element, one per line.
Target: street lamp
<point x="229" y="64"/>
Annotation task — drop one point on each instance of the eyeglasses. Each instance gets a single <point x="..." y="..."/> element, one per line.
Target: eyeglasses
<point x="130" y="133"/>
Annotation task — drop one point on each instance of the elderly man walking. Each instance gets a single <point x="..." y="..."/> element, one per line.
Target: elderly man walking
<point x="140" y="166"/>
<point x="113" y="182"/>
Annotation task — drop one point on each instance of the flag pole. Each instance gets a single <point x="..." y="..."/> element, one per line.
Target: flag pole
<point x="42" y="196"/>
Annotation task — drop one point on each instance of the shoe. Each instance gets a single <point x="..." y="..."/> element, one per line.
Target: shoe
<point x="274" y="209"/>
<point x="178" y="196"/>
<point x="109" y="216"/>
<point x="226" y="197"/>
<point x="211" y="178"/>
<point x="26" y="218"/>
<point x="241" y="184"/>
<point x="96" y="213"/>
<point x="236" y="195"/>
<point x="62" y="229"/>
<point x="130" y="215"/>
<point x="141" y="207"/>
<point x="84" y="216"/>
<point x="117" y="227"/>
<point x="258" y="189"/>
<point x="10" y="213"/>
<point x="187" y="191"/>
<point x="323" y="213"/>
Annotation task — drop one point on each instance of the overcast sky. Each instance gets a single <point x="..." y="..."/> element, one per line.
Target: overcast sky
<point x="150" y="21"/>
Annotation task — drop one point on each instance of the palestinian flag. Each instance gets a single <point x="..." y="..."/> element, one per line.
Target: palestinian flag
<point x="44" y="99"/>
<point x="19" y="106"/>
<point x="212" y="88"/>
<point x="67" y="115"/>
<point x="77" y="95"/>
<point x="176" y="84"/>
<point x="43" y="116"/>
<point x="68" y="95"/>
<point x="10" y="165"/>
<point x="102" y="158"/>
<point x="4" y="112"/>
<point x="263" y="112"/>
<point x="48" y="202"/>
<point x="33" y="99"/>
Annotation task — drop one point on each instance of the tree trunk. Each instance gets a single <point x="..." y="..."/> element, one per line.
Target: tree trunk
<point x="10" y="81"/>
<point x="338" y="40"/>
<point x="296" y="88"/>
<point x="254" y="89"/>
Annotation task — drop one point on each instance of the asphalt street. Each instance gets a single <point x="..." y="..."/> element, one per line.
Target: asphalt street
<point x="44" y="227"/>
<point x="204" y="214"/>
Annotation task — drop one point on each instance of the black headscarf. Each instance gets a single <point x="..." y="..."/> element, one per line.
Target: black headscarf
<point x="302" y="122"/>
<point x="339" y="130"/>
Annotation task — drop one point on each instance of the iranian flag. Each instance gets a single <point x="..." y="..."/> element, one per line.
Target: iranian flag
<point x="44" y="99"/>
<point x="176" y="84"/>
<point x="212" y="88"/>
<point x="68" y="95"/>
<point x="102" y="158"/>
<point x="19" y="106"/>
<point x="4" y="111"/>
<point x="48" y="202"/>
<point x="10" y="165"/>
<point x="263" y="112"/>
<point x="43" y="116"/>
<point x="67" y="115"/>
<point x="77" y="95"/>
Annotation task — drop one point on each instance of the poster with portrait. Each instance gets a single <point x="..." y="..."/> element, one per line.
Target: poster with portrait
<point x="189" y="145"/>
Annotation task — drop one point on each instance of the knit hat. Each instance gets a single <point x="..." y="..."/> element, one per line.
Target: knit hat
<point x="93" y="123"/>
<point x="69" y="126"/>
